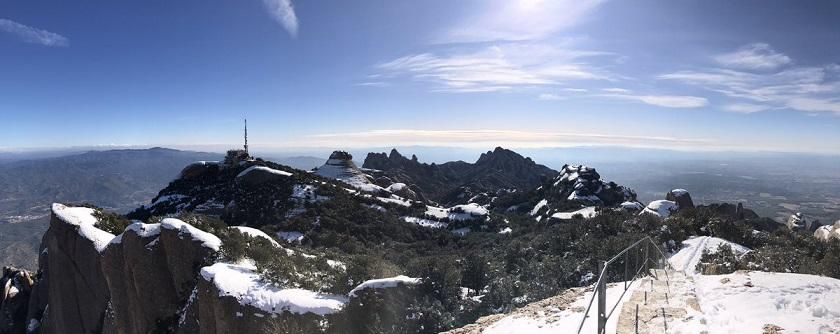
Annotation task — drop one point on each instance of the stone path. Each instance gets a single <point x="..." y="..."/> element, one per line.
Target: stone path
<point x="662" y="299"/>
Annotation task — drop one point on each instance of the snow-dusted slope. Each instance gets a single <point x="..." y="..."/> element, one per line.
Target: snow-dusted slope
<point x="752" y="302"/>
<point x="689" y="256"/>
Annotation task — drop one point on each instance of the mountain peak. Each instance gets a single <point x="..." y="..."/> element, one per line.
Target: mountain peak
<point x="341" y="155"/>
<point x="394" y="154"/>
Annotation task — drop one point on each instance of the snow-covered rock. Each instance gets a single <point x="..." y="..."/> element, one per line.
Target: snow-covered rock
<point x="241" y="282"/>
<point x="382" y="283"/>
<point x="85" y="222"/>
<point x="255" y="233"/>
<point x="587" y="212"/>
<point x="681" y="197"/>
<point x="828" y="232"/>
<point x="661" y="208"/>
<point x="340" y="166"/>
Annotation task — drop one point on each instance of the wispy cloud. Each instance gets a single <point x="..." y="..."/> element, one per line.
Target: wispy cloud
<point x="496" y="68"/>
<point x="756" y="56"/>
<point x="483" y="138"/>
<point x="667" y="101"/>
<point x="518" y="20"/>
<point x="33" y="35"/>
<point x="549" y="97"/>
<point x="808" y="89"/>
<point x="284" y="13"/>
<point x="745" y="108"/>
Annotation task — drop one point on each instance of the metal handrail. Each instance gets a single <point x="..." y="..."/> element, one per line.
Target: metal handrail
<point x="601" y="284"/>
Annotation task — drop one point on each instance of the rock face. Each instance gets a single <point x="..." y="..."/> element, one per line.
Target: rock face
<point x="150" y="270"/>
<point x="796" y="221"/>
<point x="457" y="182"/>
<point x="77" y="293"/>
<point x="576" y="187"/>
<point x="16" y="286"/>
<point x="681" y="197"/>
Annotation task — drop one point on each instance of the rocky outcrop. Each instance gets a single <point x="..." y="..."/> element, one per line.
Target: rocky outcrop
<point x="16" y="286"/>
<point x="340" y="166"/>
<point x="681" y="197"/>
<point x="151" y="273"/>
<point x="457" y="182"/>
<point x="199" y="169"/>
<point x="255" y="176"/>
<point x="77" y="293"/>
<point x="828" y="232"/>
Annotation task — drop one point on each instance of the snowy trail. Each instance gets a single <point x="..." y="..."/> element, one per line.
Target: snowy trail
<point x="689" y="256"/>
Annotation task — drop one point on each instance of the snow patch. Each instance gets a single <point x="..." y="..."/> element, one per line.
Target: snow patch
<point x="84" y="219"/>
<point x="207" y="240"/>
<point x="255" y="233"/>
<point x="587" y="212"/>
<point x="241" y="282"/>
<point x="384" y="283"/>
<point x="661" y="208"/>
<point x="263" y="169"/>
<point x="688" y="257"/>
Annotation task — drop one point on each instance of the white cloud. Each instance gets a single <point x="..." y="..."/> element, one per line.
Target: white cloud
<point x="373" y="84"/>
<point x="495" y="68"/>
<point x="667" y="101"/>
<point x="756" y="56"/>
<point x="815" y="105"/>
<point x="485" y="138"/>
<point x="549" y="97"/>
<point x="575" y="90"/>
<point x="745" y="108"/>
<point x="519" y="20"/>
<point x="615" y="90"/>
<point x="284" y="13"/>
<point x="33" y="35"/>
<point x="805" y="88"/>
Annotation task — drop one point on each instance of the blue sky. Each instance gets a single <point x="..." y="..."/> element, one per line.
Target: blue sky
<point x="691" y="75"/>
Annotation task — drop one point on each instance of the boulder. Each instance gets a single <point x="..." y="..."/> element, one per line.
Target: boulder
<point x="796" y="221"/>
<point x="16" y="286"/>
<point x="661" y="208"/>
<point x="681" y="197"/>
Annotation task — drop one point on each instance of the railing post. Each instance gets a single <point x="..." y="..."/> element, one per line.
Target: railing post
<point x="602" y="300"/>
<point x="647" y="269"/>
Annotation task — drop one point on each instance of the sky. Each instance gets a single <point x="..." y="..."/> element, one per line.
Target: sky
<point x="691" y="75"/>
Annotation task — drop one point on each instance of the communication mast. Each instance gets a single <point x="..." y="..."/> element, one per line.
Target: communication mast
<point x="246" y="136"/>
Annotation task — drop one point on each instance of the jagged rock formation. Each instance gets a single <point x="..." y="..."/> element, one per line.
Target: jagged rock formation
<point x="340" y="166"/>
<point x="460" y="182"/>
<point x="576" y="187"/>
<point x="155" y="278"/>
<point x="798" y="221"/>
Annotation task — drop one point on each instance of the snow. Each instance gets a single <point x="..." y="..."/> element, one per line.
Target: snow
<point x="539" y="206"/>
<point x="660" y="208"/>
<point x="679" y="192"/>
<point x="384" y="283"/>
<point x="264" y="169"/>
<point x="140" y="229"/>
<point x="255" y="233"/>
<point x="743" y="302"/>
<point x="394" y="199"/>
<point x="576" y="196"/>
<point x="468" y="212"/>
<point x="587" y="212"/>
<point x="84" y="219"/>
<point x="241" y="282"/>
<point x="425" y="222"/>
<point x="826" y="232"/>
<point x="633" y="206"/>
<point x="396" y="187"/>
<point x="347" y="172"/>
<point x="567" y="320"/>
<point x="505" y="230"/>
<point x="688" y="257"/>
<point x="206" y="239"/>
<point x="290" y="236"/>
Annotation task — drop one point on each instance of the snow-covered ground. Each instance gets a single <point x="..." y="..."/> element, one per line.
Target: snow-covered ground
<point x="689" y="256"/>
<point x="746" y="302"/>
<point x="567" y="320"/>
<point x="660" y="208"/>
